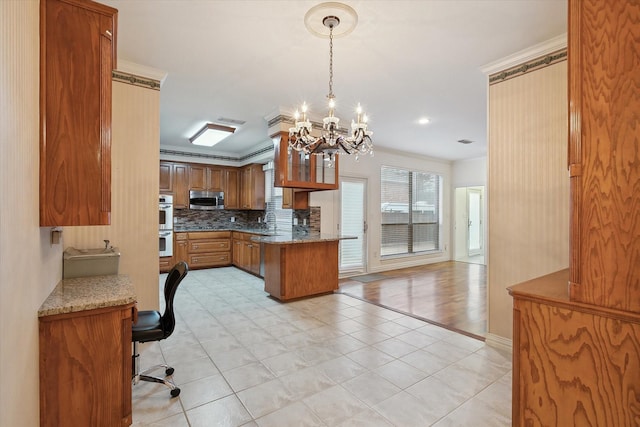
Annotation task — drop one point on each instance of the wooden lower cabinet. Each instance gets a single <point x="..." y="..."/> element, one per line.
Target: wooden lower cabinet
<point x="574" y="364"/>
<point x="166" y="263"/>
<point x="292" y="270"/>
<point x="181" y="247"/>
<point x="208" y="249"/>
<point x="246" y="253"/>
<point x="85" y="368"/>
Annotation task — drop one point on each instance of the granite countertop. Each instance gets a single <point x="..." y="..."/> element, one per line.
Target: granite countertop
<point x="290" y="238"/>
<point x="88" y="293"/>
<point x="261" y="231"/>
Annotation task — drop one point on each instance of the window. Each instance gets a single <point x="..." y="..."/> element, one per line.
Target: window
<point x="410" y="211"/>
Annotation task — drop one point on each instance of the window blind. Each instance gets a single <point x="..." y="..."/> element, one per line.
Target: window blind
<point x="352" y="224"/>
<point x="410" y="211"/>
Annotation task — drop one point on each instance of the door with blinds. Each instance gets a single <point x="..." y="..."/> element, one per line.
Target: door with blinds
<point x="353" y="222"/>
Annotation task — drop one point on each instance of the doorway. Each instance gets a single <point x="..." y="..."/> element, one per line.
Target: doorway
<point x="353" y="222"/>
<point x="469" y="225"/>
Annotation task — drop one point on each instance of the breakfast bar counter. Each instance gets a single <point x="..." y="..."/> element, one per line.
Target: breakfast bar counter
<point x="300" y="265"/>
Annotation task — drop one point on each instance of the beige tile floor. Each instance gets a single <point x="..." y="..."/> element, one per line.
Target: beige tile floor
<point x="244" y="359"/>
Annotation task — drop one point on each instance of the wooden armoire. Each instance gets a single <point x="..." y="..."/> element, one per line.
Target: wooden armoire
<point x="576" y="343"/>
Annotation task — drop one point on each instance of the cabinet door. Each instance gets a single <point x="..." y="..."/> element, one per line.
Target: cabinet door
<point x="181" y="251"/>
<point x="237" y="253"/>
<point x="85" y="368"/>
<point x="197" y="177"/>
<point x="230" y="188"/>
<point x="292" y="199"/>
<point x="166" y="177"/>
<point x="215" y="179"/>
<point x="252" y="187"/>
<point x="254" y="264"/>
<point x="604" y="100"/>
<point x="78" y="57"/>
<point x="180" y="186"/>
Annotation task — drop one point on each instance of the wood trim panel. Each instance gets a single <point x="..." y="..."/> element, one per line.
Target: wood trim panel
<point x="575" y="368"/>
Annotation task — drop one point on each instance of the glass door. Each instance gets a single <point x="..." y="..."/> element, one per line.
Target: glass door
<point x="353" y="222"/>
<point x="475" y="233"/>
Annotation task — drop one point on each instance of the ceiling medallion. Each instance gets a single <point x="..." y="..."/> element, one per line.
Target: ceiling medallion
<point x="324" y="20"/>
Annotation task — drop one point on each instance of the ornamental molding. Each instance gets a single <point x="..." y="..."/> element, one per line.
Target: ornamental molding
<point x="536" y="64"/>
<point x="132" y="79"/>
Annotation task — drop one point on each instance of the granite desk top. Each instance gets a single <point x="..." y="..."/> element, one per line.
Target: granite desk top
<point x="291" y="238"/>
<point x="88" y="293"/>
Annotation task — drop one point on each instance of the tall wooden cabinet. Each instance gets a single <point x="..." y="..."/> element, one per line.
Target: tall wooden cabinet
<point x="604" y="156"/>
<point x="576" y="344"/>
<point x="77" y="57"/>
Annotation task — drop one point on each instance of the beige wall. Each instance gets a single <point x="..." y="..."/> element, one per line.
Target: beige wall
<point x="528" y="185"/>
<point x="30" y="266"/>
<point x="135" y="152"/>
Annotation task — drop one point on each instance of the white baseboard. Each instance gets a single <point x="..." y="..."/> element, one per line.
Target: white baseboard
<point x="498" y="341"/>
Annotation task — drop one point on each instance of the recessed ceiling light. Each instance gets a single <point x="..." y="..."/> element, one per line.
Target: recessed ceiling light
<point x="211" y="134"/>
<point x="465" y="141"/>
<point x="423" y="120"/>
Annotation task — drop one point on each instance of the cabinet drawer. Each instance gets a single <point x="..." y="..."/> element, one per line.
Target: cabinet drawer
<point x="166" y="263"/>
<point x="200" y="235"/>
<point x="210" y="260"/>
<point x="202" y="246"/>
<point x="181" y="236"/>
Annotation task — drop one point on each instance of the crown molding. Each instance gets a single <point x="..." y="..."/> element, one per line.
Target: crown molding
<point x="143" y="71"/>
<point x="545" y="48"/>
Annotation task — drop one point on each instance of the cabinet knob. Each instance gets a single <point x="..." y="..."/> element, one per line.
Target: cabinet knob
<point x="195" y="246"/>
<point x="108" y="33"/>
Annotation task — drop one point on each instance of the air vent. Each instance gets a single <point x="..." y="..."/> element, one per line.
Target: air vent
<point x="465" y="141"/>
<point x="231" y="121"/>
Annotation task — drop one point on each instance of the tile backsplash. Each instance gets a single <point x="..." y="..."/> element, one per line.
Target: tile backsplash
<point x="304" y="220"/>
<point x="222" y="219"/>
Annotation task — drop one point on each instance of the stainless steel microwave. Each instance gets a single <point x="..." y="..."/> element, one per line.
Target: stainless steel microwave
<point x="206" y="200"/>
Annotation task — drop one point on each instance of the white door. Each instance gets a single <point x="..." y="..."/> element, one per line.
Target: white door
<point x="475" y="236"/>
<point x="353" y="222"/>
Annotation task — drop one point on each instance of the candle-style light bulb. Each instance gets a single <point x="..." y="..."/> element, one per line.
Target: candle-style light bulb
<point x="365" y="119"/>
<point x="296" y="115"/>
<point x="304" y="111"/>
<point x="359" y="111"/>
<point x="332" y="105"/>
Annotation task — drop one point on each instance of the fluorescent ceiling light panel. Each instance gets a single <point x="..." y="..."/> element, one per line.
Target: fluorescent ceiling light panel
<point x="211" y="134"/>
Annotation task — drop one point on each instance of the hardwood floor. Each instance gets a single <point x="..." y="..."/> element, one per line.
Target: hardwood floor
<point x="449" y="294"/>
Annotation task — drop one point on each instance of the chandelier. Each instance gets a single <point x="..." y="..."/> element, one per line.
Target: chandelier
<point x="332" y="140"/>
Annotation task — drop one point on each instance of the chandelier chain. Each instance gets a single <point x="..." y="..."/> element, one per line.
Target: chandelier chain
<point x="331" y="62"/>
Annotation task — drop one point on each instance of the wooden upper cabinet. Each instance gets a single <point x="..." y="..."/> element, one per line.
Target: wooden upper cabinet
<point x="77" y="57"/>
<point x="231" y="182"/>
<point x="166" y="177"/>
<point x="292" y="199"/>
<point x="252" y="187"/>
<point x="180" y="186"/>
<point x="297" y="170"/>
<point x="205" y="178"/>
<point x="604" y="160"/>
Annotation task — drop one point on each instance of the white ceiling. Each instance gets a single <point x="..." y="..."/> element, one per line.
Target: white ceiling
<point x="248" y="59"/>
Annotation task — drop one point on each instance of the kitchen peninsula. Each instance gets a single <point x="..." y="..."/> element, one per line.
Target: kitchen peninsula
<point x="300" y="265"/>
